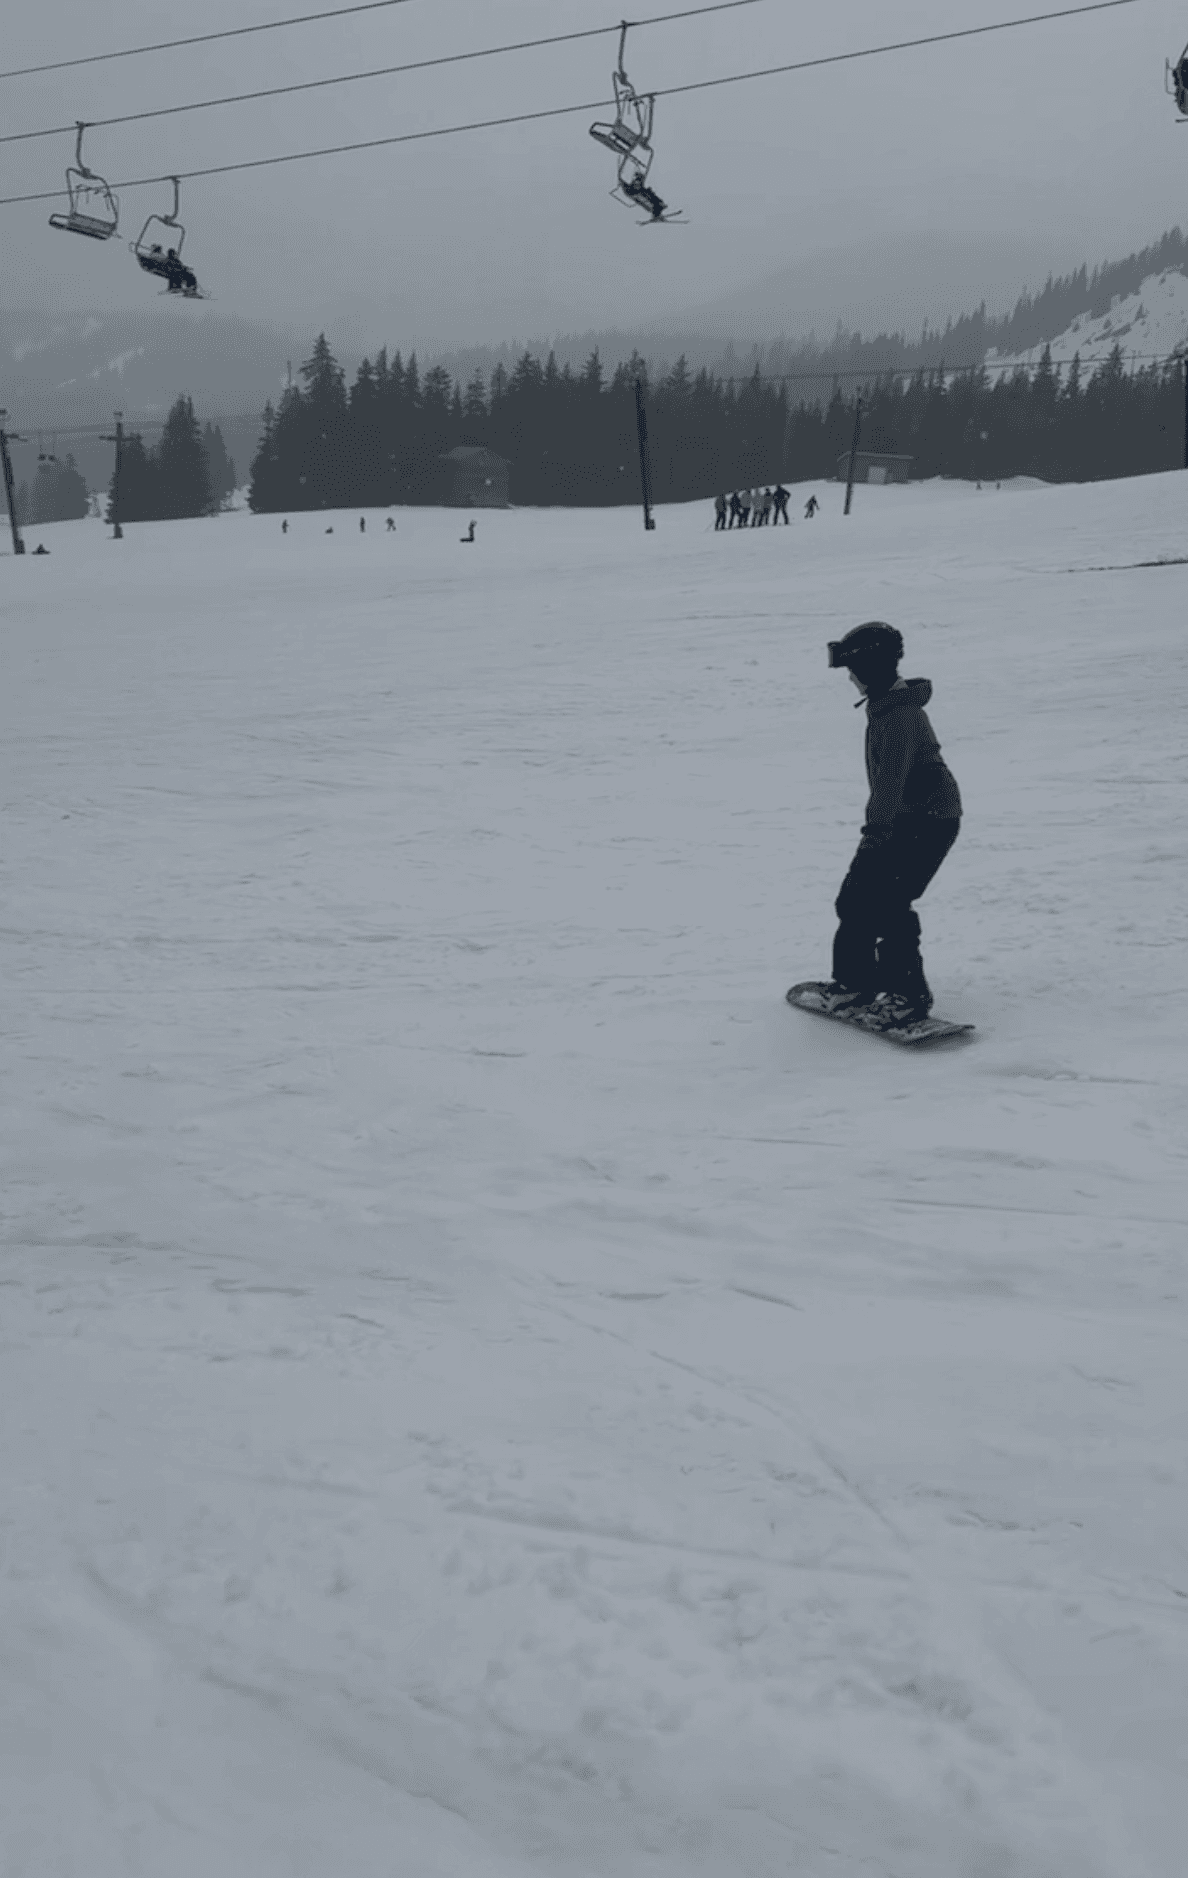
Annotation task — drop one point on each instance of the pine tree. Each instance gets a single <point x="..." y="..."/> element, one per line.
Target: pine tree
<point x="132" y="493"/>
<point x="262" y="487"/>
<point x="180" y="466"/>
<point x="220" y="468"/>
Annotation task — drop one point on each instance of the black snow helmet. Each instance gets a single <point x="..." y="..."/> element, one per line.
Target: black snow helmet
<point x="874" y="643"/>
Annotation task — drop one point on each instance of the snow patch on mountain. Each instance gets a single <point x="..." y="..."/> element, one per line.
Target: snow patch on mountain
<point x="1148" y="325"/>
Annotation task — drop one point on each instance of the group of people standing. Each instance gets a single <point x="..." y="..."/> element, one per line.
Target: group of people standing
<point x="753" y="508"/>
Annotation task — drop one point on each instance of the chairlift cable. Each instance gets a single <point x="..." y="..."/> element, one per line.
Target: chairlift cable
<point x="526" y="45"/>
<point x="201" y="39"/>
<point x="380" y="71"/>
<point x="137" y="425"/>
<point x="569" y="110"/>
<point x="872" y="375"/>
<point x="897" y="45"/>
<point x="303" y="19"/>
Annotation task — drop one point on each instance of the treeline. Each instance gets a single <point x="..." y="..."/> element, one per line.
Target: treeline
<point x="980" y="425"/>
<point x="59" y="494"/>
<point x="187" y="473"/>
<point x="570" y="437"/>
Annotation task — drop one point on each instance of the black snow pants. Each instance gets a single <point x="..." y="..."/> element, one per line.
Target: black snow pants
<point x="877" y="945"/>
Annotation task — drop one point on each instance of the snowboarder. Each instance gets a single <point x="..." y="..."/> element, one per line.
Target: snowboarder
<point x="912" y="819"/>
<point x="810" y="508"/>
<point x="719" y="513"/>
<point x="780" y="498"/>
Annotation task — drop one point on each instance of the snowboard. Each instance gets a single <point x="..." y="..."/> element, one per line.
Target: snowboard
<point x="813" y="996"/>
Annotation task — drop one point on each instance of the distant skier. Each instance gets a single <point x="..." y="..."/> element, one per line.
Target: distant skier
<point x="779" y="496"/>
<point x="912" y="820"/>
<point x="766" y="509"/>
<point x="285" y="526"/>
<point x="744" y="506"/>
<point x="391" y="526"/>
<point x="719" y="513"/>
<point x="735" y="509"/>
<point x="810" y="508"/>
<point x="362" y="524"/>
<point x="467" y="538"/>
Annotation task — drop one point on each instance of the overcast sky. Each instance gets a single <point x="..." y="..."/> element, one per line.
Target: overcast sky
<point x="875" y="190"/>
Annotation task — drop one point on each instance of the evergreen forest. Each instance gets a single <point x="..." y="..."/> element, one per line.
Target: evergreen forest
<point x="570" y="437"/>
<point x="187" y="473"/>
<point x="58" y="494"/>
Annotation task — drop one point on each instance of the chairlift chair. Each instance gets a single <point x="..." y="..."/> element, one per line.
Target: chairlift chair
<point x="631" y="131"/>
<point x="630" y="138"/>
<point x="1175" y="79"/>
<point x="93" y="210"/>
<point x="165" y="261"/>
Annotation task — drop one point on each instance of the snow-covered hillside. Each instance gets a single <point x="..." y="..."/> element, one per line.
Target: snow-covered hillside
<point x="1149" y="324"/>
<point x="486" y="1389"/>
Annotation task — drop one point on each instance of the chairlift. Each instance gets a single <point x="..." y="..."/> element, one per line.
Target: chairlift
<point x="156" y="257"/>
<point x="93" y="210"/>
<point x="1175" y="79"/>
<point x="630" y="139"/>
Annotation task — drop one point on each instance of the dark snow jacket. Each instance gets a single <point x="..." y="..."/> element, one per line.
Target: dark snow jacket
<point x="903" y="761"/>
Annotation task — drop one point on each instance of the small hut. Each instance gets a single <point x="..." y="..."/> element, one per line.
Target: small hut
<point x="875" y="466"/>
<point x="479" y="478"/>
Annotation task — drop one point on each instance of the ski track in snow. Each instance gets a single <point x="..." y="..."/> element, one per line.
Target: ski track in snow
<point x="486" y="1389"/>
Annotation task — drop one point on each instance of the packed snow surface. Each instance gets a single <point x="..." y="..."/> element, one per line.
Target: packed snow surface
<point x="1149" y="326"/>
<point x="486" y="1389"/>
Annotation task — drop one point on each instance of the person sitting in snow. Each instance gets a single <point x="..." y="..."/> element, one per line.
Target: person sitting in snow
<point x="912" y="820"/>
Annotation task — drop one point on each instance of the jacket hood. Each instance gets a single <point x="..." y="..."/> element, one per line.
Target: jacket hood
<point x="915" y="691"/>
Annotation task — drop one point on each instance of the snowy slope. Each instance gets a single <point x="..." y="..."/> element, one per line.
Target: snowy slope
<point x="486" y="1389"/>
<point x="1149" y="324"/>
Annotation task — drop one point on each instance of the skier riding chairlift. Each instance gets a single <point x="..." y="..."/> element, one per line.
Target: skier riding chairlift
<point x="93" y="210"/>
<point x="630" y="138"/>
<point x="167" y="265"/>
<point x="1176" y="83"/>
